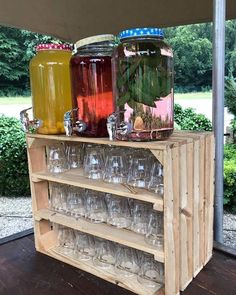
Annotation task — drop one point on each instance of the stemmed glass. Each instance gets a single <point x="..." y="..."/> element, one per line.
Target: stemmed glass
<point x="56" y="159"/>
<point x="127" y="263"/>
<point x="104" y="253"/>
<point x="118" y="211"/>
<point x="151" y="272"/>
<point x="140" y="214"/>
<point x="139" y="171"/>
<point x="58" y="197"/>
<point x="156" y="183"/>
<point x="115" y="171"/>
<point x="93" y="163"/>
<point x="84" y="246"/>
<point x="96" y="209"/>
<point x="66" y="240"/>
<point x="74" y="154"/>
<point x="76" y="202"/>
<point x="155" y="230"/>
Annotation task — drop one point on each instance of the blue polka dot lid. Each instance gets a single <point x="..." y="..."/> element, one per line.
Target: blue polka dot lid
<point x="142" y="32"/>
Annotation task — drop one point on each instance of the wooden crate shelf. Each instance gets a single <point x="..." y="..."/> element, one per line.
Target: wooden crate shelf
<point x="101" y="230"/>
<point x="187" y="206"/>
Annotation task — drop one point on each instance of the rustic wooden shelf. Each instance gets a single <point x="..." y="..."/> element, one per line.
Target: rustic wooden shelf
<point x="75" y="177"/>
<point x="187" y="206"/>
<point x="102" y="230"/>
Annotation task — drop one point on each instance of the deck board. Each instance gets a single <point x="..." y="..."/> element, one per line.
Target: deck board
<point x="23" y="271"/>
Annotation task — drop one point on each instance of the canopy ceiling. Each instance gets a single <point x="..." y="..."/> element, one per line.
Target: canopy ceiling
<point x="74" y="19"/>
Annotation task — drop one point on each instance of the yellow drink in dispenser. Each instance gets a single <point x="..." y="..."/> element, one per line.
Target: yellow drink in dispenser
<point x="51" y="86"/>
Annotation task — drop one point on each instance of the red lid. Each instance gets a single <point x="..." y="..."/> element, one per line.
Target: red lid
<point x="52" y="46"/>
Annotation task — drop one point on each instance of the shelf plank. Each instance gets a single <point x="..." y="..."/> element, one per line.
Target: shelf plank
<point x="154" y="145"/>
<point x="102" y="230"/>
<point x="75" y="177"/>
<point x="130" y="283"/>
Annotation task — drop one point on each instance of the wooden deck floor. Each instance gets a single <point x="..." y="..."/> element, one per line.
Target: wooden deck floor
<point x="25" y="272"/>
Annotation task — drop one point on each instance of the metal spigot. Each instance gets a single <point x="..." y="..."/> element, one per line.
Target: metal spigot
<point x="111" y="125"/>
<point x="28" y="125"/>
<point x="80" y="126"/>
<point x="124" y="128"/>
<point x="68" y="123"/>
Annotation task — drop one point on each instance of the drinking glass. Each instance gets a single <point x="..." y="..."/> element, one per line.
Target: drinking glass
<point x="74" y="154"/>
<point x="96" y="209"/>
<point x="151" y="272"/>
<point x="58" y="197"/>
<point x="76" y="202"/>
<point x="104" y="253"/>
<point x="139" y="171"/>
<point x="66" y="240"/>
<point x="56" y="159"/>
<point x="140" y="217"/>
<point x="155" y="230"/>
<point x="127" y="263"/>
<point x="93" y="162"/>
<point x="115" y="171"/>
<point x="84" y="246"/>
<point x="118" y="211"/>
<point x="156" y="183"/>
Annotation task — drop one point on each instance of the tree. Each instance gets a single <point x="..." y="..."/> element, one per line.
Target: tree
<point x="17" y="47"/>
<point x="192" y="55"/>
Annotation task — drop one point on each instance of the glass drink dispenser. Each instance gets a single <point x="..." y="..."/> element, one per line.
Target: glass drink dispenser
<point x="51" y="86"/>
<point x="92" y="84"/>
<point x="143" y="73"/>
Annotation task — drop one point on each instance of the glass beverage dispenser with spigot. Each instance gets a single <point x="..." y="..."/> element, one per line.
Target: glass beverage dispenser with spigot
<point x="50" y="87"/>
<point x="92" y="85"/>
<point x="143" y="74"/>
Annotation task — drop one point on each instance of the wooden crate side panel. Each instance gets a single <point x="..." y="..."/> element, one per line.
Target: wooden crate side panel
<point x="45" y="237"/>
<point x="196" y="208"/>
<point x="186" y="217"/>
<point x="171" y="221"/>
<point x="201" y="218"/>
<point x="209" y="195"/>
<point x="37" y="162"/>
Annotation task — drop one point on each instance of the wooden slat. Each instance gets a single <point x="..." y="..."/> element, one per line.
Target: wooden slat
<point x="171" y="221"/>
<point x="186" y="217"/>
<point x="209" y="196"/>
<point x="102" y="230"/>
<point x="75" y="177"/>
<point x="196" y="206"/>
<point x="155" y="145"/>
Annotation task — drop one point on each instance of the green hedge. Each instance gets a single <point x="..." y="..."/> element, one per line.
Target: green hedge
<point x="230" y="177"/>
<point x="14" y="178"/>
<point x="188" y="119"/>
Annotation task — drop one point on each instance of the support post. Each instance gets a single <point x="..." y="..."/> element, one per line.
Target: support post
<point x="218" y="111"/>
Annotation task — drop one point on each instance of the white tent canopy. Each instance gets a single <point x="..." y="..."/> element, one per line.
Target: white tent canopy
<point x="75" y="19"/>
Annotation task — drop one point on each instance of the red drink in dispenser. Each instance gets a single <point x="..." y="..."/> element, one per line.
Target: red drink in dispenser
<point x="92" y="84"/>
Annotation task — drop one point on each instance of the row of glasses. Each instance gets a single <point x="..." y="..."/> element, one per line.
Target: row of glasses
<point x="117" y="211"/>
<point x="132" y="166"/>
<point x="108" y="255"/>
<point x="137" y="168"/>
<point x="64" y="156"/>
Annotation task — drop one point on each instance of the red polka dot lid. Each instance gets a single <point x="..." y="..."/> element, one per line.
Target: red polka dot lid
<point x="52" y="46"/>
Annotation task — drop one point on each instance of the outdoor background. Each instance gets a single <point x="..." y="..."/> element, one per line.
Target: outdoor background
<point x="192" y="46"/>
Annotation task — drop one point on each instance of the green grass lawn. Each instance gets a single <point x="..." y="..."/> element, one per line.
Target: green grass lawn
<point x="27" y="100"/>
<point x="15" y="100"/>
<point x="194" y="95"/>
